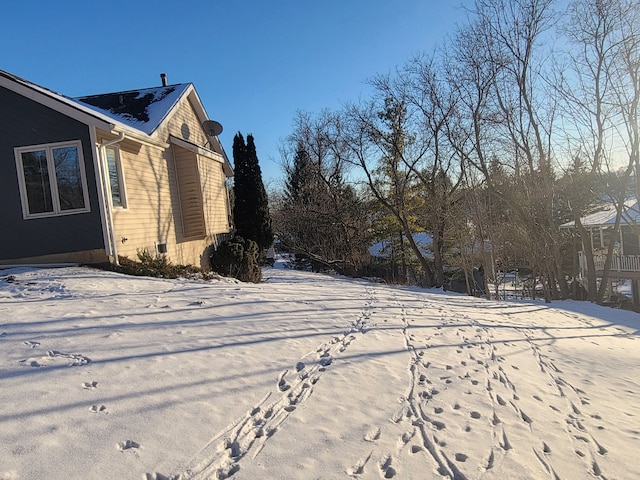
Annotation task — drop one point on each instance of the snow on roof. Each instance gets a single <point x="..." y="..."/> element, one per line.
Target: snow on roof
<point x="142" y="109"/>
<point x="383" y="249"/>
<point x="607" y="216"/>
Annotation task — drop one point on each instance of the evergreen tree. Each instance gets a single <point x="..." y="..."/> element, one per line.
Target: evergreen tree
<point x="251" y="209"/>
<point x="299" y="183"/>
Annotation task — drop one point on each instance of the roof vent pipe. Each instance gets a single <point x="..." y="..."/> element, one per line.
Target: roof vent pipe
<point x="163" y="77"/>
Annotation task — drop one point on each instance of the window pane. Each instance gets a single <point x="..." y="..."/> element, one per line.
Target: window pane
<point x="36" y="179"/>
<point x="68" y="177"/>
<point x="114" y="177"/>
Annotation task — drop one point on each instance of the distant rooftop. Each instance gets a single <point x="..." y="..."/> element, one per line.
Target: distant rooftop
<point x="606" y="217"/>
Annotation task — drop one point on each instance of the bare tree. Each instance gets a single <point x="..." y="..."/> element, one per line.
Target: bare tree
<point x="441" y="176"/>
<point x="601" y="95"/>
<point x="382" y="144"/>
<point x="321" y="216"/>
<point x="510" y="120"/>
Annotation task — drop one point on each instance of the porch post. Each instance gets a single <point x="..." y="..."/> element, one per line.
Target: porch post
<point x="601" y="239"/>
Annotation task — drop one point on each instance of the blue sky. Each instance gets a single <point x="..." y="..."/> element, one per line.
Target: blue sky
<point x="254" y="63"/>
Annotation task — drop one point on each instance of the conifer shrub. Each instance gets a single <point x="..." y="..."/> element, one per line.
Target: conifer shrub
<point x="237" y="258"/>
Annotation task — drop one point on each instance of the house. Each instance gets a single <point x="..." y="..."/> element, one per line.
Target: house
<point x="85" y="180"/>
<point x="625" y="262"/>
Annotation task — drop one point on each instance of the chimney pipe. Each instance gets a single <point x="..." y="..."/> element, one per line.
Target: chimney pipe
<point x="163" y="77"/>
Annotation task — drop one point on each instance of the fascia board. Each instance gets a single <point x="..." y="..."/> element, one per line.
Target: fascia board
<point x="173" y="109"/>
<point x="197" y="149"/>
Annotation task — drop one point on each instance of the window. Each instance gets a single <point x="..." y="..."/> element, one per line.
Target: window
<point x="52" y="180"/>
<point x="116" y="182"/>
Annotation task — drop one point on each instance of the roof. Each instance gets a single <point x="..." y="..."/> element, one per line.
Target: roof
<point x="383" y="249"/>
<point x="139" y="113"/>
<point x="143" y="109"/>
<point x="57" y="101"/>
<point x="607" y="216"/>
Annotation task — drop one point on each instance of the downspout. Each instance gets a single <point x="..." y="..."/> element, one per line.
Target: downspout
<point x="107" y="198"/>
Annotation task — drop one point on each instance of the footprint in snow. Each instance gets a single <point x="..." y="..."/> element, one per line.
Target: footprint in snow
<point x="461" y="457"/>
<point x="282" y="383"/>
<point x="128" y="445"/>
<point x="386" y="469"/>
<point x="325" y="359"/>
<point x="90" y="385"/>
<point x="98" y="409"/>
<point x="372" y="435"/>
<point x="358" y="468"/>
<point x="31" y="344"/>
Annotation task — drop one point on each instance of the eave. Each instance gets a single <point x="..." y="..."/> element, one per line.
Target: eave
<point x="55" y="101"/>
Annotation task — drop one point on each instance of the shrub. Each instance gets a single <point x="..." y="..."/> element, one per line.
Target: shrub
<point x="157" y="266"/>
<point x="237" y="258"/>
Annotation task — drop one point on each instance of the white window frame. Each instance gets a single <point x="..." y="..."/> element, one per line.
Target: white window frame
<point x="120" y="173"/>
<point x="53" y="183"/>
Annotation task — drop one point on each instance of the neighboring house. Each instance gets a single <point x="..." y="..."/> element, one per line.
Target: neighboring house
<point x="89" y="179"/>
<point x="600" y="225"/>
<point x="625" y="262"/>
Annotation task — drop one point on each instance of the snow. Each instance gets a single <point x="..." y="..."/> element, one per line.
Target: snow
<point x="155" y="103"/>
<point x="384" y="248"/>
<point x="307" y="376"/>
<point x="606" y="216"/>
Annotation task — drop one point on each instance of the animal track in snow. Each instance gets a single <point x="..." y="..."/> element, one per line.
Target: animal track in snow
<point x="461" y="457"/>
<point x="221" y="456"/>
<point x="90" y="385"/>
<point x="438" y="425"/>
<point x="31" y="344"/>
<point x="282" y="383"/>
<point x="325" y="359"/>
<point x="406" y="437"/>
<point x="128" y="445"/>
<point x="386" y="469"/>
<point x="98" y="409"/>
<point x="55" y="357"/>
<point x="372" y="435"/>
<point x="358" y="468"/>
<point x="495" y="420"/>
<point x="505" y="444"/>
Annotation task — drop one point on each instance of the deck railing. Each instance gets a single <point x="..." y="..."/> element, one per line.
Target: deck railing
<point x="619" y="263"/>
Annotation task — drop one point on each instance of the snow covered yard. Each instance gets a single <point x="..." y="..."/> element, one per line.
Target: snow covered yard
<point x="307" y="376"/>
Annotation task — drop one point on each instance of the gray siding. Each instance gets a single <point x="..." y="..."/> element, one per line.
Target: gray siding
<point x="24" y="122"/>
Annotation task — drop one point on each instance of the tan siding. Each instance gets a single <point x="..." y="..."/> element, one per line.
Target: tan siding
<point x="149" y="217"/>
<point x="190" y="193"/>
<point x="216" y="204"/>
<point x="168" y="197"/>
<point x="185" y="115"/>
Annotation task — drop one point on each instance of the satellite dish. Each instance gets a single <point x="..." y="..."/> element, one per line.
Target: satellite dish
<point x="212" y="128"/>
